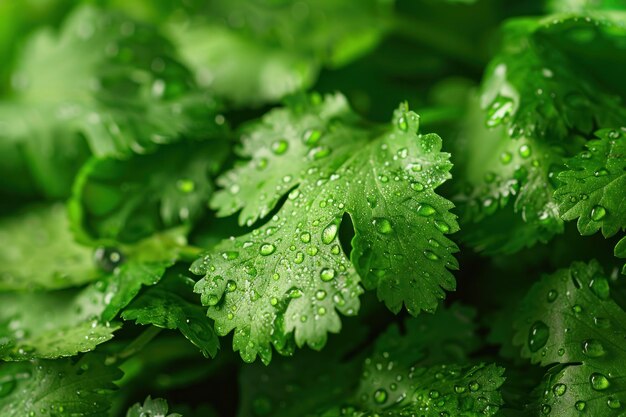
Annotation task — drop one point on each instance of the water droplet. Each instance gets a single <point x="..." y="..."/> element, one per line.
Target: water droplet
<point x="459" y="389"/>
<point x="442" y="226"/>
<point x="107" y="258"/>
<point x="599" y="382"/>
<point x="559" y="389"/>
<point x="600" y="287"/>
<point x="538" y="336"/>
<point x="280" y="147"/>
<point x="329" y="233"/>
<point x="593" y="348"/>
<point x="524" y="151"/>
<point x="614" y="403"/>
<point x="185" y="186"/>
<point x="506" y="157"/>
<point x="231" y="286"/>
<point x="380" y="396"/>
<point x="431" y="255"/>
<point x="602" y="172"/>
<point x="426" y="210"/>
<point x="305" y="237"/>
<point x="499" y="111"/>
<point x="580" y="405"/>
<point x="230" y="255"/>
<point x="311" y="137"/>
<point x="552" y="295"/>
<point x="267" y="249"/>
<point x="403" y="125"/>
<point x="320" y="294"/>
<point x="576" y="308"/>
<point x="474" y="386"/>
<point x="327" y="274"/>
<point x="212" y="299"/>
<point x="598" y="213"/>
<point x="383" y="225"/>
<point x="417" y="186"/>
<point x="546" y="409"/>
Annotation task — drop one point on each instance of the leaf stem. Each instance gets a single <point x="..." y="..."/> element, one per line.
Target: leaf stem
<point x="135" y="346"/>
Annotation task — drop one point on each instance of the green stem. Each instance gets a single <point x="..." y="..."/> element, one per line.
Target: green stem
<point x="446" y="42"/>
<point x="135" y="346"/>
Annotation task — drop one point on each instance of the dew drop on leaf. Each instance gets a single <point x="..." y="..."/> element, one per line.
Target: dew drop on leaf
<point x="329" y="233"/>
<point x="580" y="405"/>
<point x="552" y="295"/>
<point x="614" y="403"/>
<point x="559" y="389"/>
<point x="538" y="336"/>
<point x="593" y="348"/>
<point x="600" y="287"/>
<point x="426" y="210"/>
<point x="380" y="396"/>
<point x="267" y="249"/>
<point x="598" y="213"/>
<point x="383" y="225"/>
<point x="598" y="381"/>
<point x="327" y="274"/>
<point x="524" y="151"/>
<point x="280" y="147"/>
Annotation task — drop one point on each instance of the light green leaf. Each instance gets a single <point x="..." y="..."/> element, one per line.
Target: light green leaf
<point x="594" y="189"/>
<point x="569" y="318"/>
<point x="125" y="200"/>
<point x="268" y="51"/>
<point x="504" y="187"/>
<point x="151" y="408"/>
<point x="171" y="304"/>
<point x="544" y="83"/>
<point x="38" y="251"/>
<point x="290" y="277"/>
<point x="82" y="387"/>
<point x="404" y="375"/>
<point x="104" y="84"/>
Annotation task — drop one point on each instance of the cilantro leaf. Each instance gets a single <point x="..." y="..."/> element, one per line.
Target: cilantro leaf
<point x="539" y="84"/>
<point x="171" y="305"/>
<point x="594" y="185"/>
<point x="52" y="325"/>
<point x="125" y="200"/>
<point x="58" y="324"/>
<point x="504" y="182"/>
<point x="569" y="318"/>
<point x="584" y="5"/>
<point x="39" y="252"/>
<point x="403" y="375"/>
<point x="291" y="275"/>
<point x="103" y="85"/>
<point x="271" y="51"/>
<point x="82" y="387"/>
<point x="151" y="407"/>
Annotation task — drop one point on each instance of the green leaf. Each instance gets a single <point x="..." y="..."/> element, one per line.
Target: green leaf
<point x="82" y="387"/>
<point x="569" y="318"/>
<point x="39" y="252"/>
<point x="289" y="277"/>
<point x="594" y="185"/>
<point x="58" y="324"/>
<point x="157" y="408"/>
<point x="404" y="375"/>
<point x="545" y="81"/>
<point x="504" y="187"/>
<point x="273" y="50"/>
<point x="171" y="304"/>
<point x="103" y="85"/>
<point x="125" y="200"/>
<point x="52" y="325"/>
<point x="585" y="5"/>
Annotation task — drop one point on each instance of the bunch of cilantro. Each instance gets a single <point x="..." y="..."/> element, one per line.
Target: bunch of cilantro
<point x="294" y="208"/>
